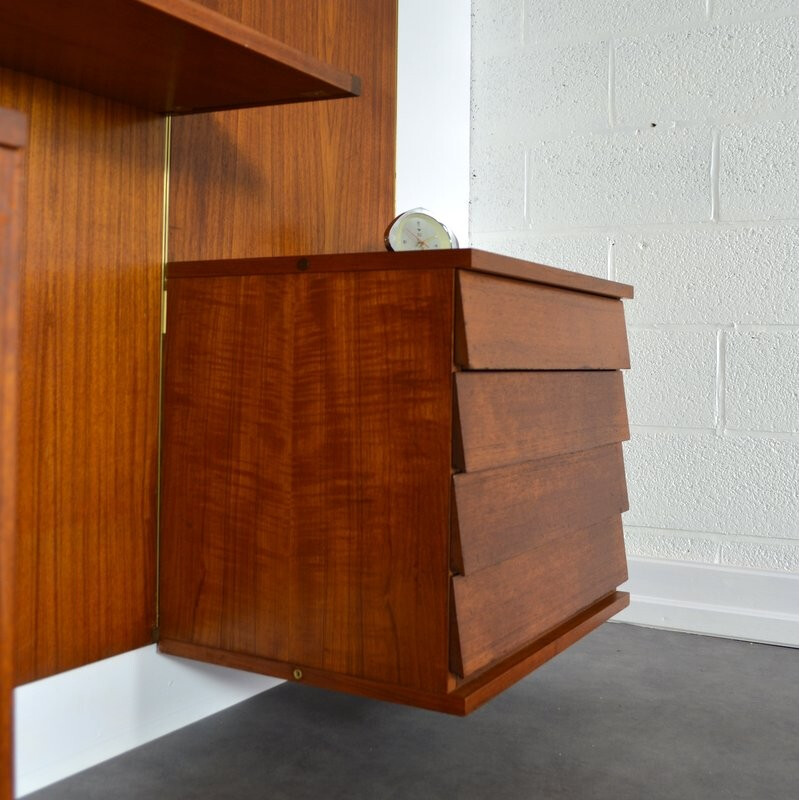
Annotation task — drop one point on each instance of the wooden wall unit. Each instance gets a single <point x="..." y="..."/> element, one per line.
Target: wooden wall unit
<point x="311" y="178"/>
<point x="13" y="136"/>
<point x="313" y="524"/>
<point x="315" y="410"/>
<point x="258" y="182"/>
<point x="90" y="300"/>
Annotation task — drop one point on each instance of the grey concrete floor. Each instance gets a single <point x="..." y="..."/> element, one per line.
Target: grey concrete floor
<point x="628" y="713"/>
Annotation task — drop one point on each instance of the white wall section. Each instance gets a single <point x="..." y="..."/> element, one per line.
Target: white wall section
<point x="656" y="144"/>
<point x="71" y="721"/>
<point x="433" y="74"/>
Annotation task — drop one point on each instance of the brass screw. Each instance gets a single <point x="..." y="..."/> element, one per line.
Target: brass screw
<point x="298" y="674"/>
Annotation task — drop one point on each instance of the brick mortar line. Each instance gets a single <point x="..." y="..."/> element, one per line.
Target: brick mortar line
<point x="702" y="327"/>
<point x="714" y="174"/>
<point x="642" y="227"/>
<point x="746" y="538"/>
<point x="599" y="34"/>
<point x="714" y="433"/>
<point x="611" y="265"/>
<point x="720" y="384"/>
<point x="565" y="134"/>
<point x="612" y="83"/>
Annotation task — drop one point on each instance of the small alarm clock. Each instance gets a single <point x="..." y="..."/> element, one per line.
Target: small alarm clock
<point x="417" y="229"/>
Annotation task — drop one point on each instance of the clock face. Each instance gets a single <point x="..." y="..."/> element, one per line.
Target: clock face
<point x="418" y="230"/>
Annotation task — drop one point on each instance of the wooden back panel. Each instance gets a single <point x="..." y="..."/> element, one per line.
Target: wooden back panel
<point x="13" y="133"/>
<point x="90" y="295"/>
<point x="263" y="181"/>
<point x="316" y="178"/>
<point x="306" y="471"/>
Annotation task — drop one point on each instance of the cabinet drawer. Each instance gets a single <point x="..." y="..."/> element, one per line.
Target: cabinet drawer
<point x="508" y="324"/>
<point x="506" y="418"/>
<point x="502" y="608"/>
<point x="503" y="512"/>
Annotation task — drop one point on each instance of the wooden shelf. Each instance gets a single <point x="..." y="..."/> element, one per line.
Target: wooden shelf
<point x="169" y="56"/>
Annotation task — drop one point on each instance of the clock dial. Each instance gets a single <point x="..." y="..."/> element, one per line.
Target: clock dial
<point x="418" y="230"/>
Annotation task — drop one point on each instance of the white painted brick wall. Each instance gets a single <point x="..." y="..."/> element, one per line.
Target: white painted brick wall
<point x="565" y="19"/>
<point x="684" y="361"/>
<point x="710" y="275"/>
<point x="620" y="178"/>
<point x="676" y="75"/>
<point x="761" y="380"/>
<point x="656" y="144"/>
<point x="758" y="171"/>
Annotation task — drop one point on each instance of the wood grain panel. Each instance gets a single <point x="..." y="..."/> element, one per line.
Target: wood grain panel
<point x="13" y="134"/>
<point x="509" y="324"/>
<point x="169" y="56"/>
<point x="500" y="513"/>
<point x="509" y="417"/>
<point x="306" y="471"/>
<point x="500" y="609"/>
<point x="484" y="261"/>
<point x="316" y="178"/>
<point x="89" y="377"/>
<point x="465" y="699"/>
<point x="489" y="683"/>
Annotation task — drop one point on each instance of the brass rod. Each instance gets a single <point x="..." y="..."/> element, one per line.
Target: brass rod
<point x="162" y="318"/>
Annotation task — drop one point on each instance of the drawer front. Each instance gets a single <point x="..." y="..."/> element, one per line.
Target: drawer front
<point x="506" y="418"/>
<point x="502" y="608"/>
<point x="500" y="513"/>
<point x="507" y="324"/>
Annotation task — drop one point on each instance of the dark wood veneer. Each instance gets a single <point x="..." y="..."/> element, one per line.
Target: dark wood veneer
<point x="464" y="258"/>
<point x="307" y="178"/>
<point x="501" y="608"/>
<point x="169" y="56"/>
<point x="89" y="352"/>
<point x="462" y="700"/>
<point x="504" y="324"/>
<point x="510" y="417"/>
<point x="308" y="437"/>
<point x="306" y="433"/>
<point x="13" y="136"/>
<point x="500" y="513"/>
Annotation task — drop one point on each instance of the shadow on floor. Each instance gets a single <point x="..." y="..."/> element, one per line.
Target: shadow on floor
<point x="627" y="714"/>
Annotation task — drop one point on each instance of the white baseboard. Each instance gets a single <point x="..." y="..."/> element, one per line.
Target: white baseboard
<point x="79" y="718"/>
<point x="748" y="604"/>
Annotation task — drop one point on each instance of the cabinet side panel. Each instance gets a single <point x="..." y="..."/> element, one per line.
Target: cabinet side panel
<point x="12" y="127"/>
<point x="90" y="300"/>
<point x="227" y="511"/>
<point x="310" y="178"/>
<point x="306" y="472"/>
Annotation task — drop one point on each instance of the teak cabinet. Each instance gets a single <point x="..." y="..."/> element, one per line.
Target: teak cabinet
<point x="398" y="475"/>
<point x="13" y="139"/>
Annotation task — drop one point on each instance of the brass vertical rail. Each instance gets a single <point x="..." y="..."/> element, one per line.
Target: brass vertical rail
<point x="162" y="328"/>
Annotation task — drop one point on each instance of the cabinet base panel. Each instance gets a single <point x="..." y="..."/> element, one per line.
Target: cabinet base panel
<point x="467" y="697"/>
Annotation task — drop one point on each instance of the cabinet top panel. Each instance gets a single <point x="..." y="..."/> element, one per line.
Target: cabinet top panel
<point x="169" y="56"/>
<point x="466" y="258"/>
